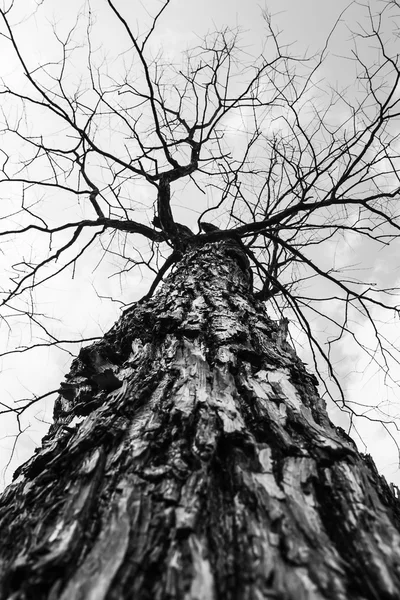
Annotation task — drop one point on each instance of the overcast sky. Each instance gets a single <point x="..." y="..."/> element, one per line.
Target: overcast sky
<point x="304" y="24"/>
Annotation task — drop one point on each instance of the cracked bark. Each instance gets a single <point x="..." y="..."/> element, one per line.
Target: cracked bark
<point x="192" y="458"/>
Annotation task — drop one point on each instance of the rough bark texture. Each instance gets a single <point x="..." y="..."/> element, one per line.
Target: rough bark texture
<point x="203" y="466"/>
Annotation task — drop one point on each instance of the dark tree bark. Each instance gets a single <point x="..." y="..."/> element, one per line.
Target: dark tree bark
<point x="204" y="466"/>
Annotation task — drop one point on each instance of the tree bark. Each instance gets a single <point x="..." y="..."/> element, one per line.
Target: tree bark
<point x="192" y="458"/>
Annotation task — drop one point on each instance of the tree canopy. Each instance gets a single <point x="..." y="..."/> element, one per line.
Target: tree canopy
<point x="129" y="154"/>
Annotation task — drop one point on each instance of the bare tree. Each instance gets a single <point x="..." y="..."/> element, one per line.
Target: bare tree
<point x="191" y="455"/>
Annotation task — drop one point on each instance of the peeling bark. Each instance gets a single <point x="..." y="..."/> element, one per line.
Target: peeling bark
<point x="192" y="458"/>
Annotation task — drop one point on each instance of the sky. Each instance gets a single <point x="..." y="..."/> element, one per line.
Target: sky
<point x="82" y="305"/>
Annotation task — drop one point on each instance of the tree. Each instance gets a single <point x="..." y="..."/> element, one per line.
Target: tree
<point x="191" y="455"/>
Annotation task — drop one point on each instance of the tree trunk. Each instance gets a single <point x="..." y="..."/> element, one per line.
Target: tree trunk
<point x="204" y="465"/>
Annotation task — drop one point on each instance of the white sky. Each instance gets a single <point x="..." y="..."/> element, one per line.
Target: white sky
<point x="304" y="24"/>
